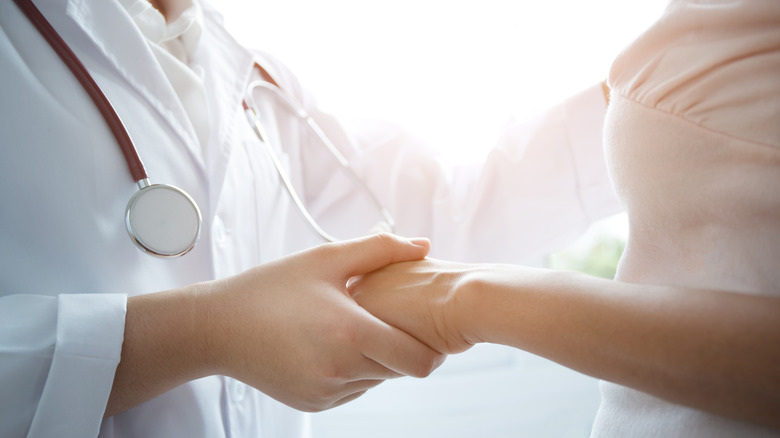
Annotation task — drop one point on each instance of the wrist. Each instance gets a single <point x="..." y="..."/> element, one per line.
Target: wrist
<point x="220" y="325"/>
<point x="162" y="348"/>
<point x="179" y="330"/>
<point x="474" y="305"/>
<point x="202" y="335"/>
<point x="504" y="304"/>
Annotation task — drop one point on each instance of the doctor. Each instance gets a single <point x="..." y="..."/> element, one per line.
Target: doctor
<point x="245" y="331"/>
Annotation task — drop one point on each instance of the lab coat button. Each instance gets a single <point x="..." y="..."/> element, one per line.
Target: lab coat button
<point x="218" y="230"/>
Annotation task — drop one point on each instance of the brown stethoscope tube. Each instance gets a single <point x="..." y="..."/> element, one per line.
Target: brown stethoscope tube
<point x="73" y="63"/>
<point x="161" y="205"/>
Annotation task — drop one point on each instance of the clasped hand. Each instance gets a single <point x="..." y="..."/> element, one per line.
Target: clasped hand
<point x="291" y="329"/>
<point x="426" y="299"/>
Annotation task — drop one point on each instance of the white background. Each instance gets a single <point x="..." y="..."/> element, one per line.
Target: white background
<point x="452" y="72"/>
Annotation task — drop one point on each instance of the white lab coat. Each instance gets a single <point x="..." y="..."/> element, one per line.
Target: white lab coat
<point x="67" y="264"/>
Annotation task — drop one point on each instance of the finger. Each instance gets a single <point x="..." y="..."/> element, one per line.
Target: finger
<point x="392" y="279"/>
<point x="373" y="281"/>
<point x="373" y="370"/>
<point x="348" y="398"/>
<point x="421" y="241"/>
<point x="359" y="386"/>
<point x="369" y="253"/>
<point x="353" y="390"/>
<point x="398" y="351"/>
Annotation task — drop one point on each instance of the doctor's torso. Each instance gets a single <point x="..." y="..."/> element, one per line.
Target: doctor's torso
<point x="67" y="186"/>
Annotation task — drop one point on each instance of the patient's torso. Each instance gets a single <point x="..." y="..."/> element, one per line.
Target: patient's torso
<point x="693" y="142"/>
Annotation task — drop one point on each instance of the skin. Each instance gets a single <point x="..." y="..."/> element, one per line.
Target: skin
<point x="163" y="6"/>
<point x="716" y="351"/>
<point x="712" y="350"/>
<point x="677" y="344"/>
<point x="288" y="328"/>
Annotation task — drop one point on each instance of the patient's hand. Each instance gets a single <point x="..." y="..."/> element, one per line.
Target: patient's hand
<point x="425" y="299"/>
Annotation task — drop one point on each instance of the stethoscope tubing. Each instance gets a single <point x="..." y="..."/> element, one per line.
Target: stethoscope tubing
<point x="168" y="241"/>
<point x="182" y="206"/>
<point x="134" y="163"/>
<point x="300" y="112"/>
<point x="261" y="134"/>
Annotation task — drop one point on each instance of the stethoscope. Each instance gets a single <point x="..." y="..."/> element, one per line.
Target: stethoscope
<point x="164" y="220"/>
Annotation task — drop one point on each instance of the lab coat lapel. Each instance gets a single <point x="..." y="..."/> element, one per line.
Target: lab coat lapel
<point x="121" y="43"/>
<point x="228" y="66"/>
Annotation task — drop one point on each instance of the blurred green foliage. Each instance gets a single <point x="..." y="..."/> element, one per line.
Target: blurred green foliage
<point x="598" y="256"/>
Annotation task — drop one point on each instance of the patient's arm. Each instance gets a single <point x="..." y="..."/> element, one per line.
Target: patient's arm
<point x="712" y="350"/>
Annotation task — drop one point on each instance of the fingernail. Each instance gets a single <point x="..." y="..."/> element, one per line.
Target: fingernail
<point x="420" y="241"/>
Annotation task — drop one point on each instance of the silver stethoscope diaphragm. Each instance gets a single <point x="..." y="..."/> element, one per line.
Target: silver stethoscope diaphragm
<point x="163" y="220"/>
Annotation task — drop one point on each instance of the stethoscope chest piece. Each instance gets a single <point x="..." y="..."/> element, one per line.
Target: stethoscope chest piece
<point x="163" y="220"/>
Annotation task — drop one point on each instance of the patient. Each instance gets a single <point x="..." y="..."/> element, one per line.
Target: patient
<point x="687" y="337"/>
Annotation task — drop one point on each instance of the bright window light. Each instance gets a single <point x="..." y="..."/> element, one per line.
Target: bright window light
<point x="452" y="72"/>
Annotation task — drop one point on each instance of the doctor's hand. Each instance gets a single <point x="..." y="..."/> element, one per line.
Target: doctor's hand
<point x="288" y="328"/>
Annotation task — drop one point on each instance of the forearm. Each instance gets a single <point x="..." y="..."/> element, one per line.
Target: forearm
<point x="164" y="346"/>
<point x="287" y="328"/>
<point x="716" y="351"/>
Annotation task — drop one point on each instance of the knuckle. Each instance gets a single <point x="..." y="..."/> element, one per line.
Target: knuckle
<point x="424" y="369"/>
<point x="318" y="399"/>
<point x="386" y="240"/>
<point x="336" y="368"/>
<point x="426" y="366"/>
<point x="327" y="251"/>
<point x="344" y="333"/>
<point x="334" y="372"/>
<point x="311" y="407"/>
<point x="327" y="371"/>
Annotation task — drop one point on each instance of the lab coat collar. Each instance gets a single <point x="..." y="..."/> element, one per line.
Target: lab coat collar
<point x="230" y="63"/>
<point x="184" y="28"/>
<point x="123" y="45"/>
<point x="228" y="67"/>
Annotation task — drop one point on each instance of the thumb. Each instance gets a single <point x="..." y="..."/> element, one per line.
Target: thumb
<point x="366" y="254"/>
